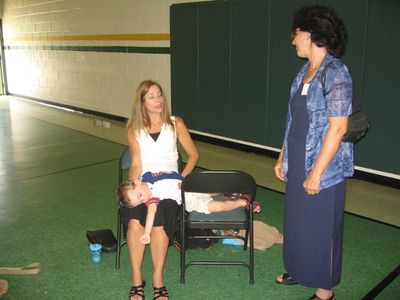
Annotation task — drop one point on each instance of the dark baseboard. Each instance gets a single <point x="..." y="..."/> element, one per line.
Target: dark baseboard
<point x="235" y="146"/>
<point x="379" y="179"/>
<point x="362" y="175"/>
<point x="78" y="109"/>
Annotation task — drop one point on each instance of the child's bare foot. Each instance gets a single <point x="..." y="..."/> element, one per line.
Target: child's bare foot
<point x="256" y="206"/>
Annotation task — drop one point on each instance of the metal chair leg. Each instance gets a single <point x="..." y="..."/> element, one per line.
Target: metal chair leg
<point x="118" y="254"/>
<point x="183" y="245"/>
<point x="251" y="250"/>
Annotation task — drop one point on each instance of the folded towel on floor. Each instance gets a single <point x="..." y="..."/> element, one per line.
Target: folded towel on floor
<point x="264" y="235"/>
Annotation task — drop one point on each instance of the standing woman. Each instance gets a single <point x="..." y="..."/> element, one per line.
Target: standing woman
<point x="152" y="136"/>
<point x="314" y="161"/>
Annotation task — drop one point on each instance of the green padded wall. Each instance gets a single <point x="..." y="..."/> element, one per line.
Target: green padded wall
<point x="232" y="64"/>
<point x="214" y="67"/>
<point x="380" y="95"/>
<point x="249" y="71"/>
<point x="184" y="63"/>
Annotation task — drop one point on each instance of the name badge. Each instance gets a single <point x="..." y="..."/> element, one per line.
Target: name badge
<point x="305" y="89"/>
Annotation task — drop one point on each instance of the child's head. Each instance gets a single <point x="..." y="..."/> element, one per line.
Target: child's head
<point x="133" y="193"/>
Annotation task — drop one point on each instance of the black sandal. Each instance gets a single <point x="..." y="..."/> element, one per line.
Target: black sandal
<point x="137" y="290"/>
<point x="160" y="292"/>
<point x="286" y="280"/>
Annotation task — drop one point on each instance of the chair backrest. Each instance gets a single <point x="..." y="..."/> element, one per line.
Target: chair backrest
<point x="219" y="182"/>
<point x="124" y="164"/>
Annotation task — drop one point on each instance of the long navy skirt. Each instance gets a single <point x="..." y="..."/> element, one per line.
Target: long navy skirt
<point x="313" y="224"/>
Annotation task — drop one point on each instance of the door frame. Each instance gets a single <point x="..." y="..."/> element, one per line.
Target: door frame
<point x="3" y="73"/>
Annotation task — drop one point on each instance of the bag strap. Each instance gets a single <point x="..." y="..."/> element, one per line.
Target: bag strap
<point x="322" y="78"/>
<point x="355" y="103"/>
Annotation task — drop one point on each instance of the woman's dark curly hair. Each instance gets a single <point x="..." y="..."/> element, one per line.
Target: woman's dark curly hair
<point x="326" y="29"/>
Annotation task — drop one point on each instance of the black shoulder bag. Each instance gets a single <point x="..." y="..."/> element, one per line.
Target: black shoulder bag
<point x="105" y="237"/>
<point x="358" y="123"/>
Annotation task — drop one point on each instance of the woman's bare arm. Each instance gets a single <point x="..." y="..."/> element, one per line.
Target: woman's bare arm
<point x="135" y="170"/>
<point x="187" y="143"/>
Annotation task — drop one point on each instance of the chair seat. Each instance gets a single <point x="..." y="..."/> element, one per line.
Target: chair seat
<point x="237" y="215"/>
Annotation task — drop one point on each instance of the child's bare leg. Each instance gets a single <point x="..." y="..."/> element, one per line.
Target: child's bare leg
<point x="227" y="205"/>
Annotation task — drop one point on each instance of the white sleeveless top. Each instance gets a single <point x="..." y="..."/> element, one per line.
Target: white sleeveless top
<point x="160" y="155"/>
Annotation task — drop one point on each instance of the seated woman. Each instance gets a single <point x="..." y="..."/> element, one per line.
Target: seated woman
<point x="152" y="136"/>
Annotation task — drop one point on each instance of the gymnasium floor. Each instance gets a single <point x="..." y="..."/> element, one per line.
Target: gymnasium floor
<point x="58" y="174"/>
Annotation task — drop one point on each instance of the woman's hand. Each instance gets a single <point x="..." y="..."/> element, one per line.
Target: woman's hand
<point x="279" y="166"/>
<point x="311" y="184"/>
<point x="279" y="170"/>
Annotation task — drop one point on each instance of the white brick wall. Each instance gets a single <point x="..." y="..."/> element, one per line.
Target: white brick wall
<point x="98" y="81"/>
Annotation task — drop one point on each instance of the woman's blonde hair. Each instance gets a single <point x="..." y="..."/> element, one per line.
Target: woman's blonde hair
<point x="139" y="118"/>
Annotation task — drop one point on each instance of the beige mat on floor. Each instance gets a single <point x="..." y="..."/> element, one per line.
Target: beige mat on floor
<point x="264" y="235"/>
<point x="30" y="269"/>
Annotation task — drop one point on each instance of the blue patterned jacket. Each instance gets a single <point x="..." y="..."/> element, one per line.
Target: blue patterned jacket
<point x="337" y="102"/>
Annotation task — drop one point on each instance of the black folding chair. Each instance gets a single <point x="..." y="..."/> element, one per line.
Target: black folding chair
<point x="219" y="182"/>
<point x="124" y="165"/>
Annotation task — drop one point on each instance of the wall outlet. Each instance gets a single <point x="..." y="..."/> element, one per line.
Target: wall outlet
<point x="101" y="123"/>
<point x="105" y="124"/>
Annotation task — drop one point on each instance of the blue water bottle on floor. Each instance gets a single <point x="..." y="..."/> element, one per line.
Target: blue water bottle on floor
<point x="95" y="251"/>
